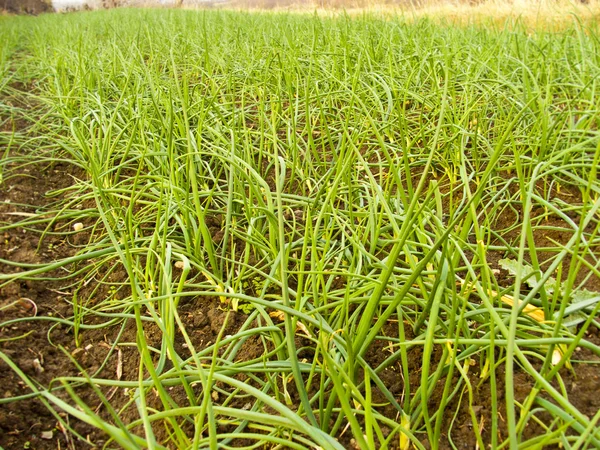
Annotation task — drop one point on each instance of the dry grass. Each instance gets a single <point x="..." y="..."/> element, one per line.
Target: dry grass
<point x="537" y="15"/>
<point x="540" y="14"/>
<point x="543" y="14"/>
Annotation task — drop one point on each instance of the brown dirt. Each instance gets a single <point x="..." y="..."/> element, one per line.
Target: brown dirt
<point x="581" y="385"/>
<point x="22" y="423"/>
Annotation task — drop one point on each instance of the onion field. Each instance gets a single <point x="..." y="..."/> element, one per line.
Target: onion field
<point x="229" y="229"/>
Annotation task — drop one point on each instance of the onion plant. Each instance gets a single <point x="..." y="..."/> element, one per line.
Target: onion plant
<point x="344" y="187"/>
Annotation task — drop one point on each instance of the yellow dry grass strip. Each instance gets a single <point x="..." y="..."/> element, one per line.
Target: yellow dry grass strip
<point x="546" y="15"/>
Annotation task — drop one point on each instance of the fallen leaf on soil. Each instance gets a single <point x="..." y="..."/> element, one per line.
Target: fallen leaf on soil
<point x="279" y="315"/>
<point x="300" y="327"/>
<point x="532" y="311"/>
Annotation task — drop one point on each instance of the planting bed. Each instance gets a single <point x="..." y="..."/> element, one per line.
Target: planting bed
<point x="265" y="230"/>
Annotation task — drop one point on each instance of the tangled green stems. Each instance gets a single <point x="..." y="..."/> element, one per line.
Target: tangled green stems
<point x="357" y="178"/>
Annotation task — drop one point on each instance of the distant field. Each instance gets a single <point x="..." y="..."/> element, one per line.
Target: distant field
<point x="537" y="13"/>
<point x="271" y="230"/>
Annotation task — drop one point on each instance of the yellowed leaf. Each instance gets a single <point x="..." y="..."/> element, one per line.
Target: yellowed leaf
<point x="532" y="311"/>
<point x="300" y="327"/>
<point x="404" y="439"/>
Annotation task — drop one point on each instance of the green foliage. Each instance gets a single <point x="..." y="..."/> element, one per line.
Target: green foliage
<point x="333" y="179"/>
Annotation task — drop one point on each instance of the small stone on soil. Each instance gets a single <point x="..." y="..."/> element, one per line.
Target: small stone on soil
<point x="48" y="435"/>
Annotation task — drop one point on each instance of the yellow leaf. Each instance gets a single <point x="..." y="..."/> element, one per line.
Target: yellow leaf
<point x="300" y="327"/>
<point x="532" y="311"/>
<point x="404" y="440"/>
